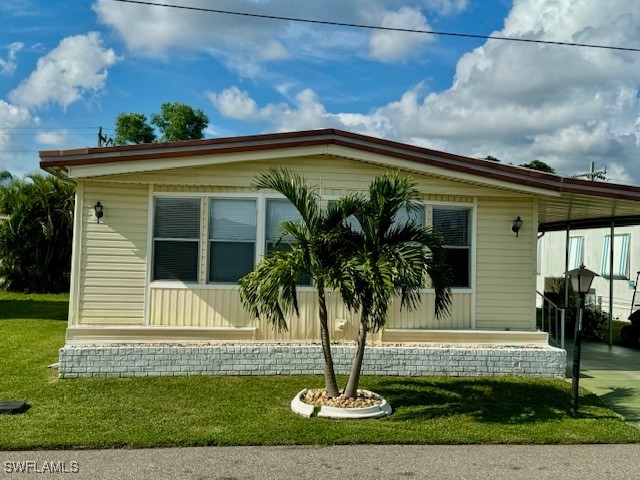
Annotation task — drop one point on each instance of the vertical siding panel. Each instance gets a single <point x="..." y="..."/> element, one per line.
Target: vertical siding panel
<point x="113" y="254"/>
<point x="505" y="267"/>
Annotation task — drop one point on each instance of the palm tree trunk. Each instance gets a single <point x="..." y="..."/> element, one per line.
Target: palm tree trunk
<point x="351" y="389"/>
<point x="330" y="383"/>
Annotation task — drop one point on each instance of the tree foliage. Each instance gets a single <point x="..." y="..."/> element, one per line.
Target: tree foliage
<point x="387" y="260"/>
<point x="368" y="261"/>
<point x="133" y="128"/>
<point x="177" y="121"/>
<point x="538" y="165"/>
<point x="35" y="240"/>
<point x="269" y="291"/>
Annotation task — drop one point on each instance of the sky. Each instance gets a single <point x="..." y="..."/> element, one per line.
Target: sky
<point x="71" y="66"/>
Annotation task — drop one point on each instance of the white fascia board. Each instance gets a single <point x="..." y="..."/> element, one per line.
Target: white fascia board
<point x="141" y="166"/>
<point x="387" y="161"/>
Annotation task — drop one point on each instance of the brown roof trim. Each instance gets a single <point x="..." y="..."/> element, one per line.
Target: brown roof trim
<point x="53" y="160"/>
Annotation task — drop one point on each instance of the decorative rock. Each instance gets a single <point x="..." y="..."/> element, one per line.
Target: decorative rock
<point x="376" y="407"/>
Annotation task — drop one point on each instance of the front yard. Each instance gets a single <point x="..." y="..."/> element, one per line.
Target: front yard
<point x="187" y="411"/>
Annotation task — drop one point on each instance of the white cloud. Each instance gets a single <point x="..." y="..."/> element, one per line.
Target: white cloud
<point x="12" y="119"/>
<point x="566" y="106"/>
<point x="390" y="46"/>
<point x="8" y="66"/>
<point x="447" y="7"/>
<point x="244" y="43"/>
<point x="56" y="138"/>
<point x="77" y="65"/>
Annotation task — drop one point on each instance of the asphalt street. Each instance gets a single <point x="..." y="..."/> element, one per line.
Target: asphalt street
<point x="468" y="462"/>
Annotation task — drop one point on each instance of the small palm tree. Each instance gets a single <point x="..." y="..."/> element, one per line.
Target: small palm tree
<point x="387" y="259"/>
<point x="269" y="291"/>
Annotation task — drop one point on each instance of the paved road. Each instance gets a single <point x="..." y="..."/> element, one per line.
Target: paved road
<point x="474" y="462"/>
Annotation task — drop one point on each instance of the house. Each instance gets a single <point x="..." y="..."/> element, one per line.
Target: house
<point x="154" y="279"/>
<point x="592" y="247"/>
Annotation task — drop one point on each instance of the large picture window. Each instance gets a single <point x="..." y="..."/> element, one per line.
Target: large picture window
<point x="232" y="239"/>
<point x="176" y="239"/>
<point x="454" y="223"/>
<point x="239" y="230"/>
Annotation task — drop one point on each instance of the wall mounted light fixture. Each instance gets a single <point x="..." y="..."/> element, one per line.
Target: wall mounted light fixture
<point x="517" y="225"/>
<point x="98" y="209"/>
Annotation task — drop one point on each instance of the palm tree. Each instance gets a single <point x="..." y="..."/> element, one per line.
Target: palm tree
<point x="5" y="177"/>
<point x="269" y="291"/>
<point x="389" y="258"/>
<point x="35" y="242"/>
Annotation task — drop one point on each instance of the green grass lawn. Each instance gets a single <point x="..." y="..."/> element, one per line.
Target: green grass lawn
<point x="186" y="411"/>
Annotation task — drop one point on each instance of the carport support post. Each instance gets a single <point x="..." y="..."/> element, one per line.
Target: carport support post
<point x="613" y="225"/>
<point x="575" y="376"/>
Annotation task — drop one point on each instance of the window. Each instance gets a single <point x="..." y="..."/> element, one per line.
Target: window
<point x="576" y="252"/>
<point x="417" y="215"/>
<point x="620" y="257"/>
<point x="176" y="239"/>
<point x="239" y="230"/>
<point x="454" y="223"/>
<point x="279" y="210"/>
<point x="232" y="239"/>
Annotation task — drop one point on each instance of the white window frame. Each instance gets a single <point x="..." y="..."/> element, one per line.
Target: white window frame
<point x="620" y="256"/>
<point x="260" y="244"/>
<point x="576" y="252"/>
<point x="153" y="240"/>
<point x="472" y="208"/>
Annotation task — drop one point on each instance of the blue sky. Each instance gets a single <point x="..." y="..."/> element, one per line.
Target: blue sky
<point x="68" y="67"/>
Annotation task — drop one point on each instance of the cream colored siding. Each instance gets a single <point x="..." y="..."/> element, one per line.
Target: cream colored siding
<point x="331" y="174"/>
<point x="505" y="268"/>
<point x="221" y="307"/>
<point x="113" y="255"/>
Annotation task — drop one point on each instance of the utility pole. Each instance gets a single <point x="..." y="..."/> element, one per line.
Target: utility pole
<point x="593" y="174"/>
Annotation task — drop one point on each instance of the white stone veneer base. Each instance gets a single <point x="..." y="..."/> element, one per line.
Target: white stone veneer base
<point x="169" y="360"/>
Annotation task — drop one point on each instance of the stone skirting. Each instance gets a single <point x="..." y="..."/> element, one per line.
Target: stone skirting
<point x="169" y="360"/>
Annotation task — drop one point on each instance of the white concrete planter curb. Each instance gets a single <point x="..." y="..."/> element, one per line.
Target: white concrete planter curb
<point x="306" y="410"/>
<point x="301" y="408"/>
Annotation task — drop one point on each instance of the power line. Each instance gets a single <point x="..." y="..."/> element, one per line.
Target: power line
<point x="377" y="27"/>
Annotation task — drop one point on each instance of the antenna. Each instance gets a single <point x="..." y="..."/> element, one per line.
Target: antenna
<point x="103" y="140"/>
<point x="593" y="174"/>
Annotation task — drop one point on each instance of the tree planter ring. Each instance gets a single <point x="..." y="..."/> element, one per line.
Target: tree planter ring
<point x="306" y="410"/>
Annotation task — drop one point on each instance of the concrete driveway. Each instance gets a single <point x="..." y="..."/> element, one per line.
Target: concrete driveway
<point x="612" y="373"/>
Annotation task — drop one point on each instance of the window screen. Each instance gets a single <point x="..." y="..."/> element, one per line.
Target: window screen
<point x="176" y="232"/>
<point x="232" y="239"/>
<point x="455" y="226"/>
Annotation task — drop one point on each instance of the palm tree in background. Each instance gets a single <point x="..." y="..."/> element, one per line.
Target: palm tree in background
<point x="35" y="241"/>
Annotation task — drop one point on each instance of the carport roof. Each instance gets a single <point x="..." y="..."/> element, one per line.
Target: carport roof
<point x="562" y="200"/>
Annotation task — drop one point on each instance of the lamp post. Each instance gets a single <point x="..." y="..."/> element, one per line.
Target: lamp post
<point x="581" y="279"/>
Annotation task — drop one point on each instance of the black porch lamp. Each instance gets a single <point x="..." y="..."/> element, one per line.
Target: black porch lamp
<point x="517" y="225"/>
<point x="581" y="279"/>
<point x="98" y="210"/>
